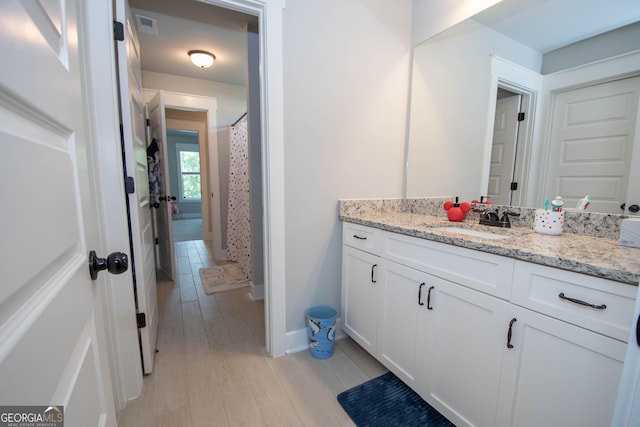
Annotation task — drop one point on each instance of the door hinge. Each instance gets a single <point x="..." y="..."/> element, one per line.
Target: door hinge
<point x="520" y="117"/>
<point x="142" y="320"/>
<point x="118" y="31"/>
<point x="514" y="186"/>
<point x="148" y="122"/>
<point x="129" y="185"/>
<point x="157" y="241"/>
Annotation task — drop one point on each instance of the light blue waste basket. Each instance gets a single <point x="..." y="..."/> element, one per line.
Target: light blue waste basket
<point x="321" y="330"/>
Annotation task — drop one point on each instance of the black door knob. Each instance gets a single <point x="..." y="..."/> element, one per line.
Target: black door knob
<point x="634" y="208"/>
<point x="115" y="263"/>
<point x="172" y="197"/>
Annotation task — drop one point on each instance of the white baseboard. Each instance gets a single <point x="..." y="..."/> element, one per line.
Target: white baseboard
<point x="188" y="216"/>
<point x="298" y="341"/>
<point x="256" y="292"/>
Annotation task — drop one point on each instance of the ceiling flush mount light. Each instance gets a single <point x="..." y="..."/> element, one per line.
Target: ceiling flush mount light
<point x="202" y="58"/>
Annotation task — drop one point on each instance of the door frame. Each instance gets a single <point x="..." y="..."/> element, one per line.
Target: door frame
<point x="119" y="307"/>
<point x="190" y="102"/>
<point x="126" y="370"/>
<point x="603" y="71"/>
<point x="270" y="19"/>
<point x="522" y="81"/>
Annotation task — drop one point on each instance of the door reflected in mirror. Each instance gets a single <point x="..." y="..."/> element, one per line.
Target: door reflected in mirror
<point x="454" y="95"/>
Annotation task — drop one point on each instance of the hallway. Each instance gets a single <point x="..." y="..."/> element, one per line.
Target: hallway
<point x="211" y="369"/>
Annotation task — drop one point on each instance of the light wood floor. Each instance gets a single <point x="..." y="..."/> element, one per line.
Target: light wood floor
<point x="211" y="368"/>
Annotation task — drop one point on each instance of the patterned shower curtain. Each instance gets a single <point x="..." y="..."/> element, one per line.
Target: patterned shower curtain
<point x="239" y="220"/>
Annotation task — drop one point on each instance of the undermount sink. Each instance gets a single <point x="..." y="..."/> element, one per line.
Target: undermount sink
<point x="472" y="233"/>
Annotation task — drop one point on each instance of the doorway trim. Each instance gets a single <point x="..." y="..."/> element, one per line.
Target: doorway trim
<point x="270" y="22"/>
<point x="189" y="102"/>
<point x="519" y="80"/>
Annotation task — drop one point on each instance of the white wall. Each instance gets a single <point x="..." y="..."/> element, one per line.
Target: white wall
<point x="433" y="16"/>
<point x="446" y="137"/>
<point x="346" y="75"/>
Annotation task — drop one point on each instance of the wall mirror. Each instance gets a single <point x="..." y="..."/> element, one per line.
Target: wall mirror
<point x="529" y="53"/>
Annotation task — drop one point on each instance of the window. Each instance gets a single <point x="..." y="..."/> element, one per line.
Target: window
<point x="189" y="175"/>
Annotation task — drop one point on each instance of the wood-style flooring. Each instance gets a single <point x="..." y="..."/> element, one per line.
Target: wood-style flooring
<point x="211" y="368"/>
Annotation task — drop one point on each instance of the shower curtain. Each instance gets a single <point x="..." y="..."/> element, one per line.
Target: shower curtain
<point x="239" y="220"/>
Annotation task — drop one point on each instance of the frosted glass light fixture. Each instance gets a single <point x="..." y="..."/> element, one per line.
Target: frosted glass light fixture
<point x="202" y="58"/>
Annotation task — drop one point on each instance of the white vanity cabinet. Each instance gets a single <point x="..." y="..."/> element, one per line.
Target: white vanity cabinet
<point x="568" y="348"/>
<point x="464" y="343"/>
<point x="360" y="285"/>
<point x="403" y="301"/>
<point x="558" y="374"/>
<point x="486" y="339"/>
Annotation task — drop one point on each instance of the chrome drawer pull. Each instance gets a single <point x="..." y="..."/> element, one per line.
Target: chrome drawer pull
<point x="359" y="237"/>
<point x="577" y="301"/>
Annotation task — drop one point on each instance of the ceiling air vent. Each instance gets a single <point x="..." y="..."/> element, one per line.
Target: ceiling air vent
<point x="147" y="25"/>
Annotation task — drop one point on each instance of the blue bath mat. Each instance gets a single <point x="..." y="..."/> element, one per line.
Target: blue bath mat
<point x="387" y="401"/>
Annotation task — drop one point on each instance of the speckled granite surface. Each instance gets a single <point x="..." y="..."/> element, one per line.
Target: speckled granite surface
<point x="589" y="244"/>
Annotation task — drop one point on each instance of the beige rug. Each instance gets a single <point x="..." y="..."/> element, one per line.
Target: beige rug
<point x="222" y="278"/>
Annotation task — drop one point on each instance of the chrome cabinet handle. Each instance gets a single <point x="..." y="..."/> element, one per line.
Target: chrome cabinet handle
<point x="577" y="301"/>
<point x="509" y="345"/>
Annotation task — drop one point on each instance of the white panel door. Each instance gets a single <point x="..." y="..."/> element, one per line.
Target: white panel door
<point x="164" y="232"/>
<point x="51" y="326"/>
<point x="503" y="151"/>
<point x="591" y="146"/>
<point x="135" y="147"/>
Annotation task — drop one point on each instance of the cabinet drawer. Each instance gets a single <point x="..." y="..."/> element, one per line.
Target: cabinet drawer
<point x="484" y="272"/>
<point x="361" y="237"/>
<point x="538" y="288"/>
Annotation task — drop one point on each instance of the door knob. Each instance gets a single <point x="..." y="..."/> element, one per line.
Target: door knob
<point x="115" y="263"/>
<point x="634" y="208"/>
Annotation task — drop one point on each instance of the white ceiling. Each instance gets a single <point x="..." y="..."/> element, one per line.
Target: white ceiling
<point x="546" y="25"/>
<point x="186" y="25"/>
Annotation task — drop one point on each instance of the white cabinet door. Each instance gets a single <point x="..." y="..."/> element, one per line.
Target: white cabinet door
<point x="360" y="282"/>
<point x="466" y="334"/>
<point x="558" y="374"/>
<point x="403" y="299"/>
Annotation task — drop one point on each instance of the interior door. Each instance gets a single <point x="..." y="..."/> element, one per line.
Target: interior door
<point x="135" y="147"/>
<point x="591" y="146"/>
<point x="52" y="341"/>
<point x="503" y="152"/>
<point x="164" y="232"/>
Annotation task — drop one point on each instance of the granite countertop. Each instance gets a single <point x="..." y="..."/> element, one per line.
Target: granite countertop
<point x="595" y="256"/>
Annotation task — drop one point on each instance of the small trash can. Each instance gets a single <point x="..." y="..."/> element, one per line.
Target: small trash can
<point x="321" y="331"/>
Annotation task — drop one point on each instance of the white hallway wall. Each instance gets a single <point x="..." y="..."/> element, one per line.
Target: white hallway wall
<point x="346" y="76"/>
